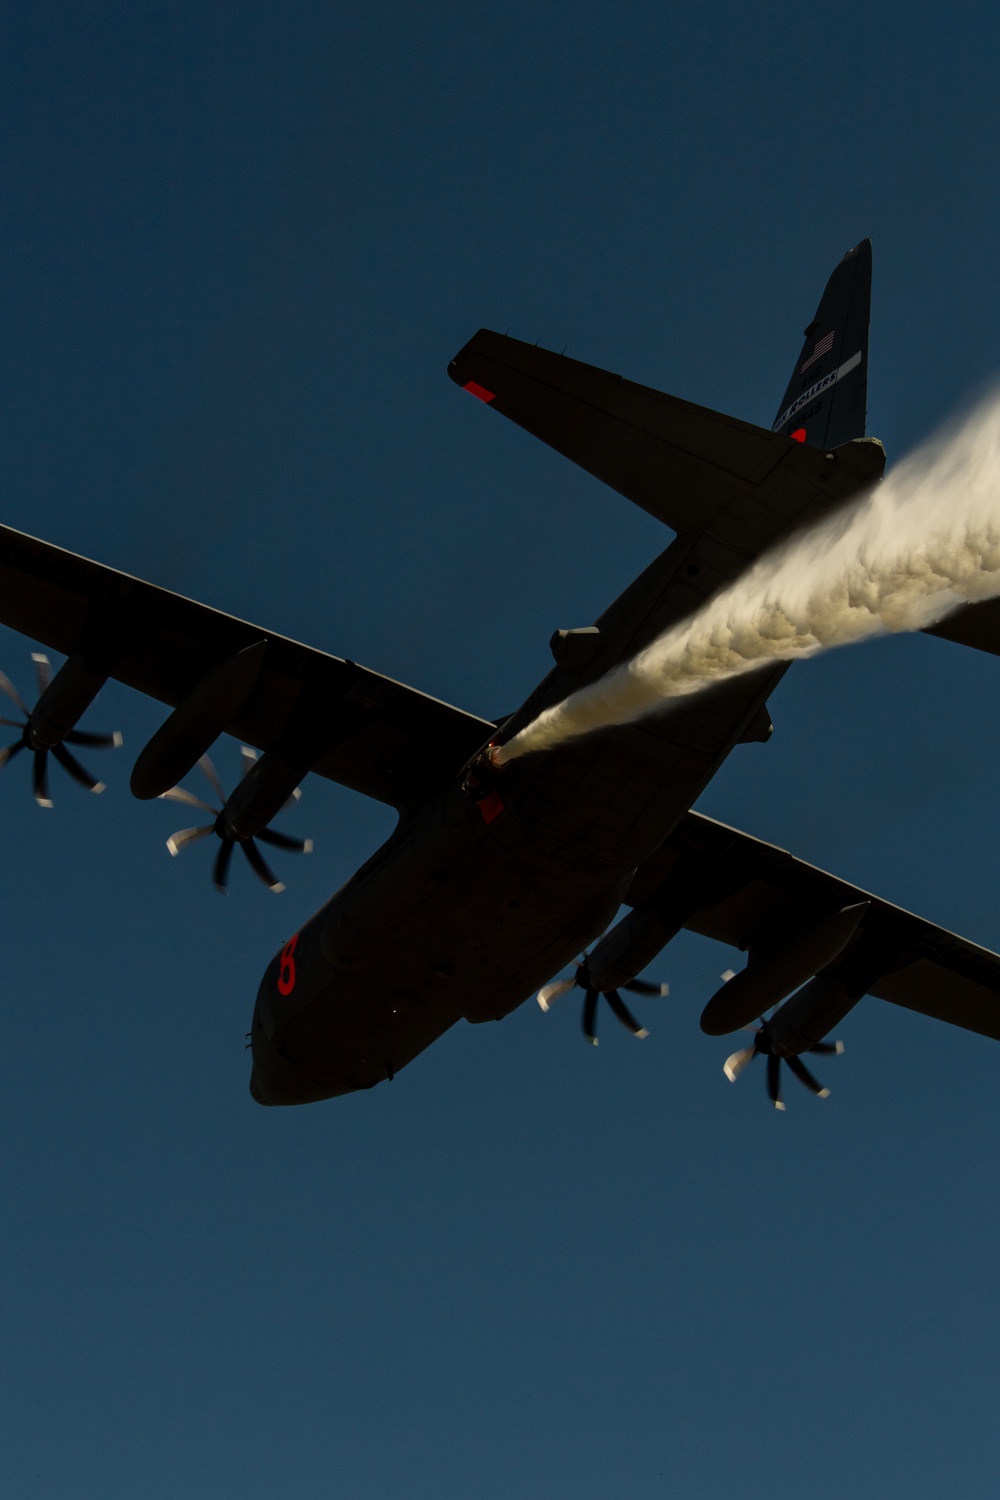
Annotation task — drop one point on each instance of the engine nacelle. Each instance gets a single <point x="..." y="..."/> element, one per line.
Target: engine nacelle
<point x="63" y="703"/>
<point x="811" y="1013"/>
<point x="774" y="973"/>
<point x="196" y="723"/>
<point x="262" y="793"/>
<point x="626" y="950"/>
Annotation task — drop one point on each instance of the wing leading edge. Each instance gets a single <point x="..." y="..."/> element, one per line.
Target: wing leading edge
<point x="741" y="891"/>
<point x="324" y="713"/>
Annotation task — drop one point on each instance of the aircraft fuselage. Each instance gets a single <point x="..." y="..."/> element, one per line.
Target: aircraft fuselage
<point x="470" y="906"/>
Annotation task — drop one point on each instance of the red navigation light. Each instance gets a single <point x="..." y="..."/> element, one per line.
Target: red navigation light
<point x="799" y="435"/>
<point x="479" y="391"/>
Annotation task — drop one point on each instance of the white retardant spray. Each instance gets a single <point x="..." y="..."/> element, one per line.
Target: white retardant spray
<point x="922" y="542"/>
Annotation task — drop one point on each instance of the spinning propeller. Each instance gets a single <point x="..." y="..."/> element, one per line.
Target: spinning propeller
<point x="737" y="1061"/>
<point x="221" y="828"/>
<point x="557" y="987"/>
<point x="30" y="741"/>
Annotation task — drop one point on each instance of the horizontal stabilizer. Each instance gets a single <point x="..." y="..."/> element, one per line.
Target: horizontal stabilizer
<point x="975" y="625"/>
<point x="682" y="463"/>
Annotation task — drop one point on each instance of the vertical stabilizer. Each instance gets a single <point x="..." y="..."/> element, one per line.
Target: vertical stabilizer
<point x="827" y="395"/>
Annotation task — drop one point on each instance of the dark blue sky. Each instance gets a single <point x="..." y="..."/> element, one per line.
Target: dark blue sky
<point x="240" y="244"/>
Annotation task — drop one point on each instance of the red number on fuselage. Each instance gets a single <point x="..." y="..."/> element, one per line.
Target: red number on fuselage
<point x="286" y="967"/>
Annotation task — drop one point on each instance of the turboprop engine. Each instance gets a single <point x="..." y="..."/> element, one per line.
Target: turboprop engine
<point x="612" y="966"/>
<point x="51" y="725"/>
<point x="775" y="970"/>
<point x="798" y="1026"/>
<point x="811" y="1014"/>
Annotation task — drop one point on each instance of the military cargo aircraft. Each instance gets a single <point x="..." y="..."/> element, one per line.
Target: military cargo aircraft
<point x="495" y="880"/>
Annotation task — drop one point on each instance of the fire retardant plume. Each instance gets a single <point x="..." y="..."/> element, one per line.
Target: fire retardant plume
<point x="923" y="542"/>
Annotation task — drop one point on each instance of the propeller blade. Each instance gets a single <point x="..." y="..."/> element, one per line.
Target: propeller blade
<point x="774" y="1080"/>
<point x="181" y="794"/>
<point x="283" y="841"/>
<point x="40" y="778"/>
<point x="177" y="841"/>
<point x="643" y="987"/>
<point x="6" y="686"/>
<point x="13" y="723"/>
<point x="553" y="990"/>
<point x="220" y="870"/>
<point x="832" y="1049"/>
<point x="94" y="741"/>
<point x="737" y="1061"/>
<point x="260" y="867"/>
<point x="212" y="777"/>
<point x="9" y="751"/>
<point x="589" y="1017"/>
<point x="249" y="761"/>
<point x="43" y="670"/>
<point x="70" y="764"/>
<point x="803" y="1074"/>
<point x="625" y="1016"/>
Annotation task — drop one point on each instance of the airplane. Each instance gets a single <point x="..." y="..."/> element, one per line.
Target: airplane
<point x="495" y="880"/>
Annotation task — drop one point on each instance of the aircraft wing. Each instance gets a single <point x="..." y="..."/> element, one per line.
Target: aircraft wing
<point x="349" y="724"/>
<point x="747" y="891"/>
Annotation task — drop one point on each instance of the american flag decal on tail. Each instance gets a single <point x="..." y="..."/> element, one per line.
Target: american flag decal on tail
<point x="826" y="395"/>
<point x="824" y="346"/>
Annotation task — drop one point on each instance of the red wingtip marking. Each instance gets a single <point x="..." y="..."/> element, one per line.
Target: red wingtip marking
<point x="479" y="391"/>
<point x="799" y="435"/>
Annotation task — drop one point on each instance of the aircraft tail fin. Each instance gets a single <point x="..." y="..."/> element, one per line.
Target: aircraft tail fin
<point x="827" y="396"/>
